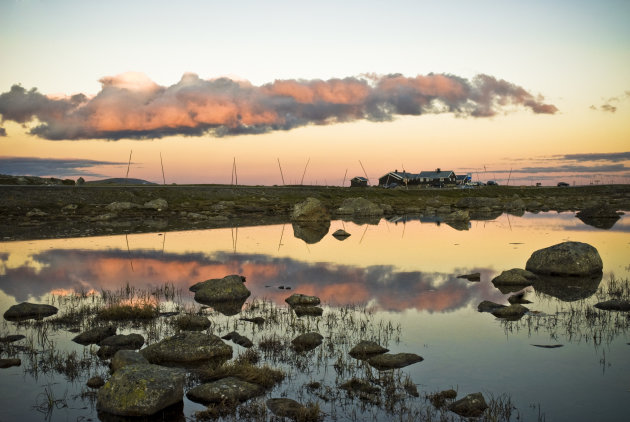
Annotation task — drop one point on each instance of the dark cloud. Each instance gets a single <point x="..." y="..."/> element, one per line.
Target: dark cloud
<point x="132" y="106"/>
<point x="58" y="167"/>
<point x="568" y="168"/>
<point x="610" y="156"/>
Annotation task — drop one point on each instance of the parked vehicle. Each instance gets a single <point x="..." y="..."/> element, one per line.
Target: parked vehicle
<point x="562" y="184"/>
<point x="492" y="183"/>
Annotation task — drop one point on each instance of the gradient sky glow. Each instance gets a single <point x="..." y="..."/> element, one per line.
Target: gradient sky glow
<point x="574" y="54"/>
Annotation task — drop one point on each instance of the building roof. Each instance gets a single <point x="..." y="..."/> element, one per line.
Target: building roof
<point x="360" y="178"/>
<point x="400" y="175"/>
<point x="442" y="174"/>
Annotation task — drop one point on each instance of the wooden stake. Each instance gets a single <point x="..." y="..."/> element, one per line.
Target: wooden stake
<point x="281" y="175"/>
<point x="302" y="181"/>
<point x="364" y="172"/>
<point x="344" y="178"/>
<point x="162" y="163"/>
<point x="508" y="182"/>
<point x="128" y="165"/>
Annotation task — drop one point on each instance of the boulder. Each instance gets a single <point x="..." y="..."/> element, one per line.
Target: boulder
<point x="123" y="358"/>
<point x="471" y="406"/>
<point x="310" y="232"/>
<point x="111" y="345"/>
<point x="157" y="204"/>
<point x="26" y="310"/>
<point x="141" y="390"/>
<point x="359" y="207"/>
<point x="301" y="311"/>
<point x="95" y="335"/>
<point x="95" y="382"/>
<point x="192" y="323"/>
<point x="341" y="234"/>
<point x="7" y="363"/>
<point x="303" y="300"/>
<point x="287" y="408"/>
<point x="187" y="348"/>
<point x="471" y="277"/>
<point x="307" y="341"/>
<point x="515" y="276"/>
<point x="566" y="259"/>
<point x="511" y="313"/>
<point x="391" y="361"/>
<point x="439" y="399"/>
<point x="238" y="339"/>
<point x="121" y="206"/>
<point x="226" y="389"/>
<point x="366" y="349"/>
<point x="487" y="306"/>
<point x="229" y="289"/>
<point x="310" y="209"/>
<point x="601" y="217"/>
<point x="614" y="305"/>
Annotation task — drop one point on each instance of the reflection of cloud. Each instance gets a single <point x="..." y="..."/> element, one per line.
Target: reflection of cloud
<point x="60" y="167"/>
<point x="334" y="284"/>
<point x="132" y="106"/>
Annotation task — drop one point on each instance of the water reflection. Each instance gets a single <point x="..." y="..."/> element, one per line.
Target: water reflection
<point x="568" y="289"/>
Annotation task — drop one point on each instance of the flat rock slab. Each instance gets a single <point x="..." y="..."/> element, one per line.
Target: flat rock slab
<point x="515" y="276"/>
<point x="26" y="310"/>
<point x="228" y="389"/>
<point x="301" y="311"/>
<point x="614" y="305"/>
<point x="141" y="390"/>
<point x="471" y="277"/>
<point x="392" y="361"/>
<point x="487" y="306"/>
<point x="238" y="339"/>
<point x="286" y="408"/>
<point x="95" y="335"/>
<point x="7" y="363"/>
<point x="123" y="358"/>
<point x="12" y="338"/>
<point x="193" y="323"/>
<point x="366" y="349"/>
<point x="307" y="341"/>
<point x="566" y="259"/>
<point x="471" y="406"/>
<point x="512" y="312"/>
<point x="302" y="300"/>
<point x="187" y="348"/>
<point x="547" y="346"/>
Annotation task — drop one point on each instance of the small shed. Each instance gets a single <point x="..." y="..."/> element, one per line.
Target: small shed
<point x="358" y="182"/>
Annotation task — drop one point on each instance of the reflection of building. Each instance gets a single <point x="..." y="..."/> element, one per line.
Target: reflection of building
<point x="358" y="182"/>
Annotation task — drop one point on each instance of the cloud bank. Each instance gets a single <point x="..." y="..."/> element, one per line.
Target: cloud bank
<point x="132" y="106"/>
<point x="60" y="167"/>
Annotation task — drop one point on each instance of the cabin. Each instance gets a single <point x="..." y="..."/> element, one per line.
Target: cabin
<point x="463" y="179"/>
<point x="358" y="182"/>
<point x="438" y="177"/>
<point x="402" y="178"/>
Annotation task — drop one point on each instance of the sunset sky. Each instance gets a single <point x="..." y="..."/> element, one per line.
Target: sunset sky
<point x="541" y="89"/>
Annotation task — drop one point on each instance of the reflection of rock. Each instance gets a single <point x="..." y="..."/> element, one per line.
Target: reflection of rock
<point x="95" y="335"/>
<point x="567" y="258"/>
<point x="226" y="295"/>
<point x="26" y="310"/>
<point x="459" y="225"/>
<point x="311" y="232"/>
<point x="518" y="298"/>
<point x="227" y="308"/>
<point x="238" y="339"/>
<point x="359" y="206"/>
<point x="341" y="234"/>
<point x="614" y="305"/>
<point x="307" y="341"/>
<point x="301" y="311"/>
<point x="310" y="209"/>
<point x="600" y="217"/>
<point x="471" y="406"/>
<point x="141" y="390"/>
<point x="304" y="300"/>
<point x="229" y="388"/>
<point x="487" y="306"/>
<point x="511" y="313"/>
<point x="392" y="361"/>
<point x="470" y="277"/>
<point x="287" y="408"/>
<point x="514" y="277"/>
<point x="568" y="289"/>
<point x="193" y="322"/>
<point x="187" y="348"/>
<point x="485" y="214"/>
<point x="366" y="349"/>
<point x="7" y="363"/>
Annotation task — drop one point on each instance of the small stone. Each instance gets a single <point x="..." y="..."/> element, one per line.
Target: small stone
<point x="229" y="388"/>
<point x="95" y="335"/>
<point x="512" y="312"/>
<point x="238" y="339"/>
<point x="487" y="306"/>
<point x="301" y="311"/>
<point x="391" y="361"/>
<point x="95" y="382"/>
<point x="366" y="349"/>
<point x="471" y="406"/>
<point x="307" y="341"/>
<point x="614" y="305"/>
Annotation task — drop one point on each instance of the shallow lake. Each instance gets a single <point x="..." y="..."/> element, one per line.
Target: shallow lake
<point x="400" y="278"/>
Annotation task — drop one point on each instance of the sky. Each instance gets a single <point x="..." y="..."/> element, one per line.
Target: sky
<point x="532" y="91"/>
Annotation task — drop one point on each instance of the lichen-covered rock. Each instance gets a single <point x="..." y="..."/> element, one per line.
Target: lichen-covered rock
<point x="157" y="204"/>
<point x="359" y="207"/>
<point x="515" y="276"/>
<point x="123" y="358"/>
<point x="303" y="300"/>
<point x="366" y="349"/>
<point x="226" y="289"/>
<point x="471" y="406"/>
<point x="193" y="323"/>
<point x="391" y="361"/>
<point x="141" y="390"/>
<point x="512" y="312"/>
<point x="566" y="259"/>
<point x="95" y="335"/>
<point x="26" y="310"/>
<point x="225" y="389"/>
<point x="307" y="341"/>
<point x="187" y="348"/>
<point x="310" y="209"/>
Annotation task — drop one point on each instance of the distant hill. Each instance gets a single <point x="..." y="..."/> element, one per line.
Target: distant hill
<point x="120" y="181"/>
<point x="8" y="179"/>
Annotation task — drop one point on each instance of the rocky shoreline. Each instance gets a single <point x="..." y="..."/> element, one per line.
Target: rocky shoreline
<point x="60" y="211"/>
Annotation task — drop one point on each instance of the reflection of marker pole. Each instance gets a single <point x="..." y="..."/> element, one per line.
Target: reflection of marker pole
<point x="363" y="235"/>
<point x="129" y="252"/>
<point x="280" y="241"/>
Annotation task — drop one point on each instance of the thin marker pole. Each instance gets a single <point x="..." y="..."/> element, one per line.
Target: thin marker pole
<point x="162" y="163"/>
<point x="128" y="165"/>
<point x="364" y="172"/>
<point x="308" y="161"/>
<point x="344" y="178"/>
<point x="281" y="175"/>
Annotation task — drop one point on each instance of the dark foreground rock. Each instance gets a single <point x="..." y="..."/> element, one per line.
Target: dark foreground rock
<point x="187" y="348"/>
<point x="26" y="310"/>
<point x="113" y="344"/>
<point x="307" y="341"/>
<point x="614" y="305"/>
<point x="391" y="361"/>
<point x="515" y="276"/>
<point x="226" y="295"/>
<point x="141" y="390"/>
<point x="512" y="312"/>
<point x="226" y="389"/>
<point x="7" y="363"/>
<point x="287" y="408"/>
<point x="238" y="339"/>
<point x="566" y="259"/>
<point x="471" y="406"/>
<point x="304" y="300"/>
<point x="95" y="335"/>
<point x="123" y="358"/>
<point x="366" y="349"/>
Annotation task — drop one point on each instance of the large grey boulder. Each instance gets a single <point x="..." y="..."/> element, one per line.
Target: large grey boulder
<point x="187" y="348"/>
<point x="471" y="406"/>
<point x="26" y="310"/>
<point x="515" y="276"/>
<point x="95" y="335"/>
<point x="157" y="204"/>
<point x="566" y="259"/>
<point x="392" y="361"/>
<point x="225" y="389"/>
<point x="310" y="209"/>
<point x="359" y="207"/>
<point x="121" y="206"/>
<point x="141" y="390"/>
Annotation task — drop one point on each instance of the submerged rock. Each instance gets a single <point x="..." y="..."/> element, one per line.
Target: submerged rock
<point x="366" y="349"/>
<point x="187" y="348"/>
<point x="566" y="259"/>
<point x="26" y="310"/>
<point x="392" y="361"/>
<point x="225" y="389"/>
<point x="310" y="209"/>
<point x="512" y="312"/>
<point x="7" y="363"/>
<point x="518" y="298"/>
<point x="471" y="406"/>
<point x="123" y="358"/>
<point x="307" y="341"/>
<point x="359" y="386"/>
<point x="487" y="306"/>
<point x="614" y="305"/>
<point x="95" y="335"/>
<point x="287" y="408"/>
<point x="141" y="390"/>
<point x="515" y="276"/>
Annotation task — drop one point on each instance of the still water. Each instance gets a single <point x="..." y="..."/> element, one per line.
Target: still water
<point x="405" y="272"/>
